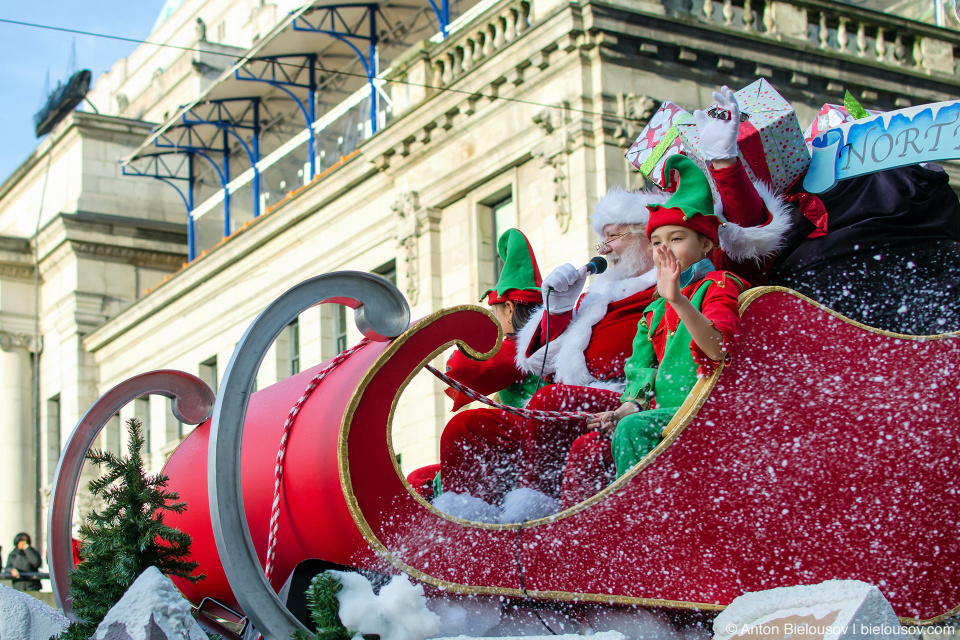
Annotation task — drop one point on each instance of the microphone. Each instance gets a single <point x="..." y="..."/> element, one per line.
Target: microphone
<point x="596" y="266"/>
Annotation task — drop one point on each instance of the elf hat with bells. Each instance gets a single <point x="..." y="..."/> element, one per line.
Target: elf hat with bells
<point x="520" y="277"/>
<point x="691" y="205"/>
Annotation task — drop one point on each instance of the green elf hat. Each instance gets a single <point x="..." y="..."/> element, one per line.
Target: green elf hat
<point x="520" y="277"/>
<point x="691" y="205"/>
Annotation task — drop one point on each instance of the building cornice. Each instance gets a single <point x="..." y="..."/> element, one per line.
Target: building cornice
<point x="79" y="123"/>
<point x="138" y="257"/>
<point x="147" y="243"/>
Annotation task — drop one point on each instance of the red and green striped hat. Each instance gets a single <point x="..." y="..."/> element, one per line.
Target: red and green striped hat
<point x="691" y="205"/>
<point x="520" y="277"/>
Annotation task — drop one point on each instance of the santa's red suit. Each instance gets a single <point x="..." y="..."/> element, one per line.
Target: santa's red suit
<point x="483" y="452"/>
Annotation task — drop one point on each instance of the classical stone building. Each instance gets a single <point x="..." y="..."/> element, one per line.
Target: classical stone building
<point x="394" y="140"/>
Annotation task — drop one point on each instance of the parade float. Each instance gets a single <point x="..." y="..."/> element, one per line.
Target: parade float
<point x="825" y="449"/>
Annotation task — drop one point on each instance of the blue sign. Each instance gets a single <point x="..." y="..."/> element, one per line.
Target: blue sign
<point x="913" y="135"/>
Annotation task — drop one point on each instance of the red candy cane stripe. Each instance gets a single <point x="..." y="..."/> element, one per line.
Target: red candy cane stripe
<point x="282" y="452"/>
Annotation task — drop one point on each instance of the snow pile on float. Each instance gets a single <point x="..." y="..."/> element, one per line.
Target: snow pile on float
<point x="151" y="609"/>
<point x="399" y="612"/>
<point x="520" y="505"/>
<point x="830" y="610"/>
<point x="26" y="618"/>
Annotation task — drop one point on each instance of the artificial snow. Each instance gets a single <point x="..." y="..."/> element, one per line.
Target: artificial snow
<point x="151" y="609"/>
<point x="467" y="507"/>
<point x="524" y="622"/>
<point x="520" y="505"/>
<point x="829" y="610"/>
<point x="399" y="612"/>
<point x="608" y="635"/>
<point x="487" y="617"/>
<point x="25" y="618"/>
<point x="640" y="624"/>
<point x="472" y="616"/>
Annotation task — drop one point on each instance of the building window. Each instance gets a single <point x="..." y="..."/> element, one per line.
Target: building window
<point x="503" y="215"/>
<point x="208" y="372"/>
<point x="141" y="411"/>
<point x="388" y="271"/>
<point x="495" y="214"/>
<point x="53" y="436"/>
<point x="293" y="344"/>
<point x="174" y="426"/>
<point x="114" y="434"/>
<point x="340" y="327"/>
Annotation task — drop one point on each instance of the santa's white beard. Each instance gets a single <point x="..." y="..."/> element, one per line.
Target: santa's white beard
<point x="630" y="263"/>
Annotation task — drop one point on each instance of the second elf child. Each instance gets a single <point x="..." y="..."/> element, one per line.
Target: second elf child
<point x="512" y="301"/>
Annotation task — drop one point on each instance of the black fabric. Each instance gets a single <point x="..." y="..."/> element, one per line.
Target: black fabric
<point x="24" y="560"/>
<point x="905" y="288"/>
<point x="899" y="206"/>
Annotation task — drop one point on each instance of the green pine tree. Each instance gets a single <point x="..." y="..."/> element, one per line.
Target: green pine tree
<point x="126" y="537"/>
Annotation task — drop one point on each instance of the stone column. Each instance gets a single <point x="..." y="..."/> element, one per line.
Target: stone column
<point x="18" y="491"/>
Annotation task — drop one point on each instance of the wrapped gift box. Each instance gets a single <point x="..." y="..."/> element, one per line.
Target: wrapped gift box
<point x="771" y="143"/>
<point x="659" y="140"/>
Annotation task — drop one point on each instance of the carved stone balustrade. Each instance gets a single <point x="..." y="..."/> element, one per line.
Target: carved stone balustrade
<point x="836" y="27"/>
<point x="435" y="65"/>
<point x="491" y="32"/>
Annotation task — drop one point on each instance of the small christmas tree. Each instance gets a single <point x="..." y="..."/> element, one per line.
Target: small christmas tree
<point x="324" y="610"/>
<point x="128" y="535"/>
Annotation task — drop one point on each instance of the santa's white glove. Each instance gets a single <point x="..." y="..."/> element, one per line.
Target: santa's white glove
<point x="565" y="284"/>
<point x="718" y="137"/>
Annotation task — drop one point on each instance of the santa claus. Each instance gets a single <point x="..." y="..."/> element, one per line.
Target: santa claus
<point x="579" y="342"/>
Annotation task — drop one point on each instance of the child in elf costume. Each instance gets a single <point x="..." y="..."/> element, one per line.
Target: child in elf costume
<point x="683" y="334"/>
<point x="512" y="300"/>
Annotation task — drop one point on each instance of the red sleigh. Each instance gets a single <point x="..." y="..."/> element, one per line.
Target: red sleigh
<point x="824" y="450"/>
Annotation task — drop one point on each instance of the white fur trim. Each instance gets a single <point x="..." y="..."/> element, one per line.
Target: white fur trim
<point x="620" y="206"/>
<point x="609" y="385"/>
<point x="565" y="357"/>
<point x="525" y="336"/>
<point x="743" y="244"/>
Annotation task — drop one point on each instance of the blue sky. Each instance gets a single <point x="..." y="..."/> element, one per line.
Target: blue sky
<point x="28" y="53"/>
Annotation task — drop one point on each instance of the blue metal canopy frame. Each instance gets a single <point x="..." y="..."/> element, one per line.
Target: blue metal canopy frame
<point x="226" y="115"/>
<point x="205" y="128"/>
<point x="158" y="168"/>
<point x="443" y="15"/>
<point x="276" y="73"/>
<point x="329" y="21"/>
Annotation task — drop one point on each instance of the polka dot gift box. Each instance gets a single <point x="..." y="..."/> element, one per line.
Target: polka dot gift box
<point x="771" y="143"/>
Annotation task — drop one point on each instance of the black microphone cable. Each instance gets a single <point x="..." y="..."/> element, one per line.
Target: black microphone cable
<point x="523" y="428"/>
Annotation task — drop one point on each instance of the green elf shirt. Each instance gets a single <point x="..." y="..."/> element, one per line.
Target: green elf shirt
<point x="666" y="362"/>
